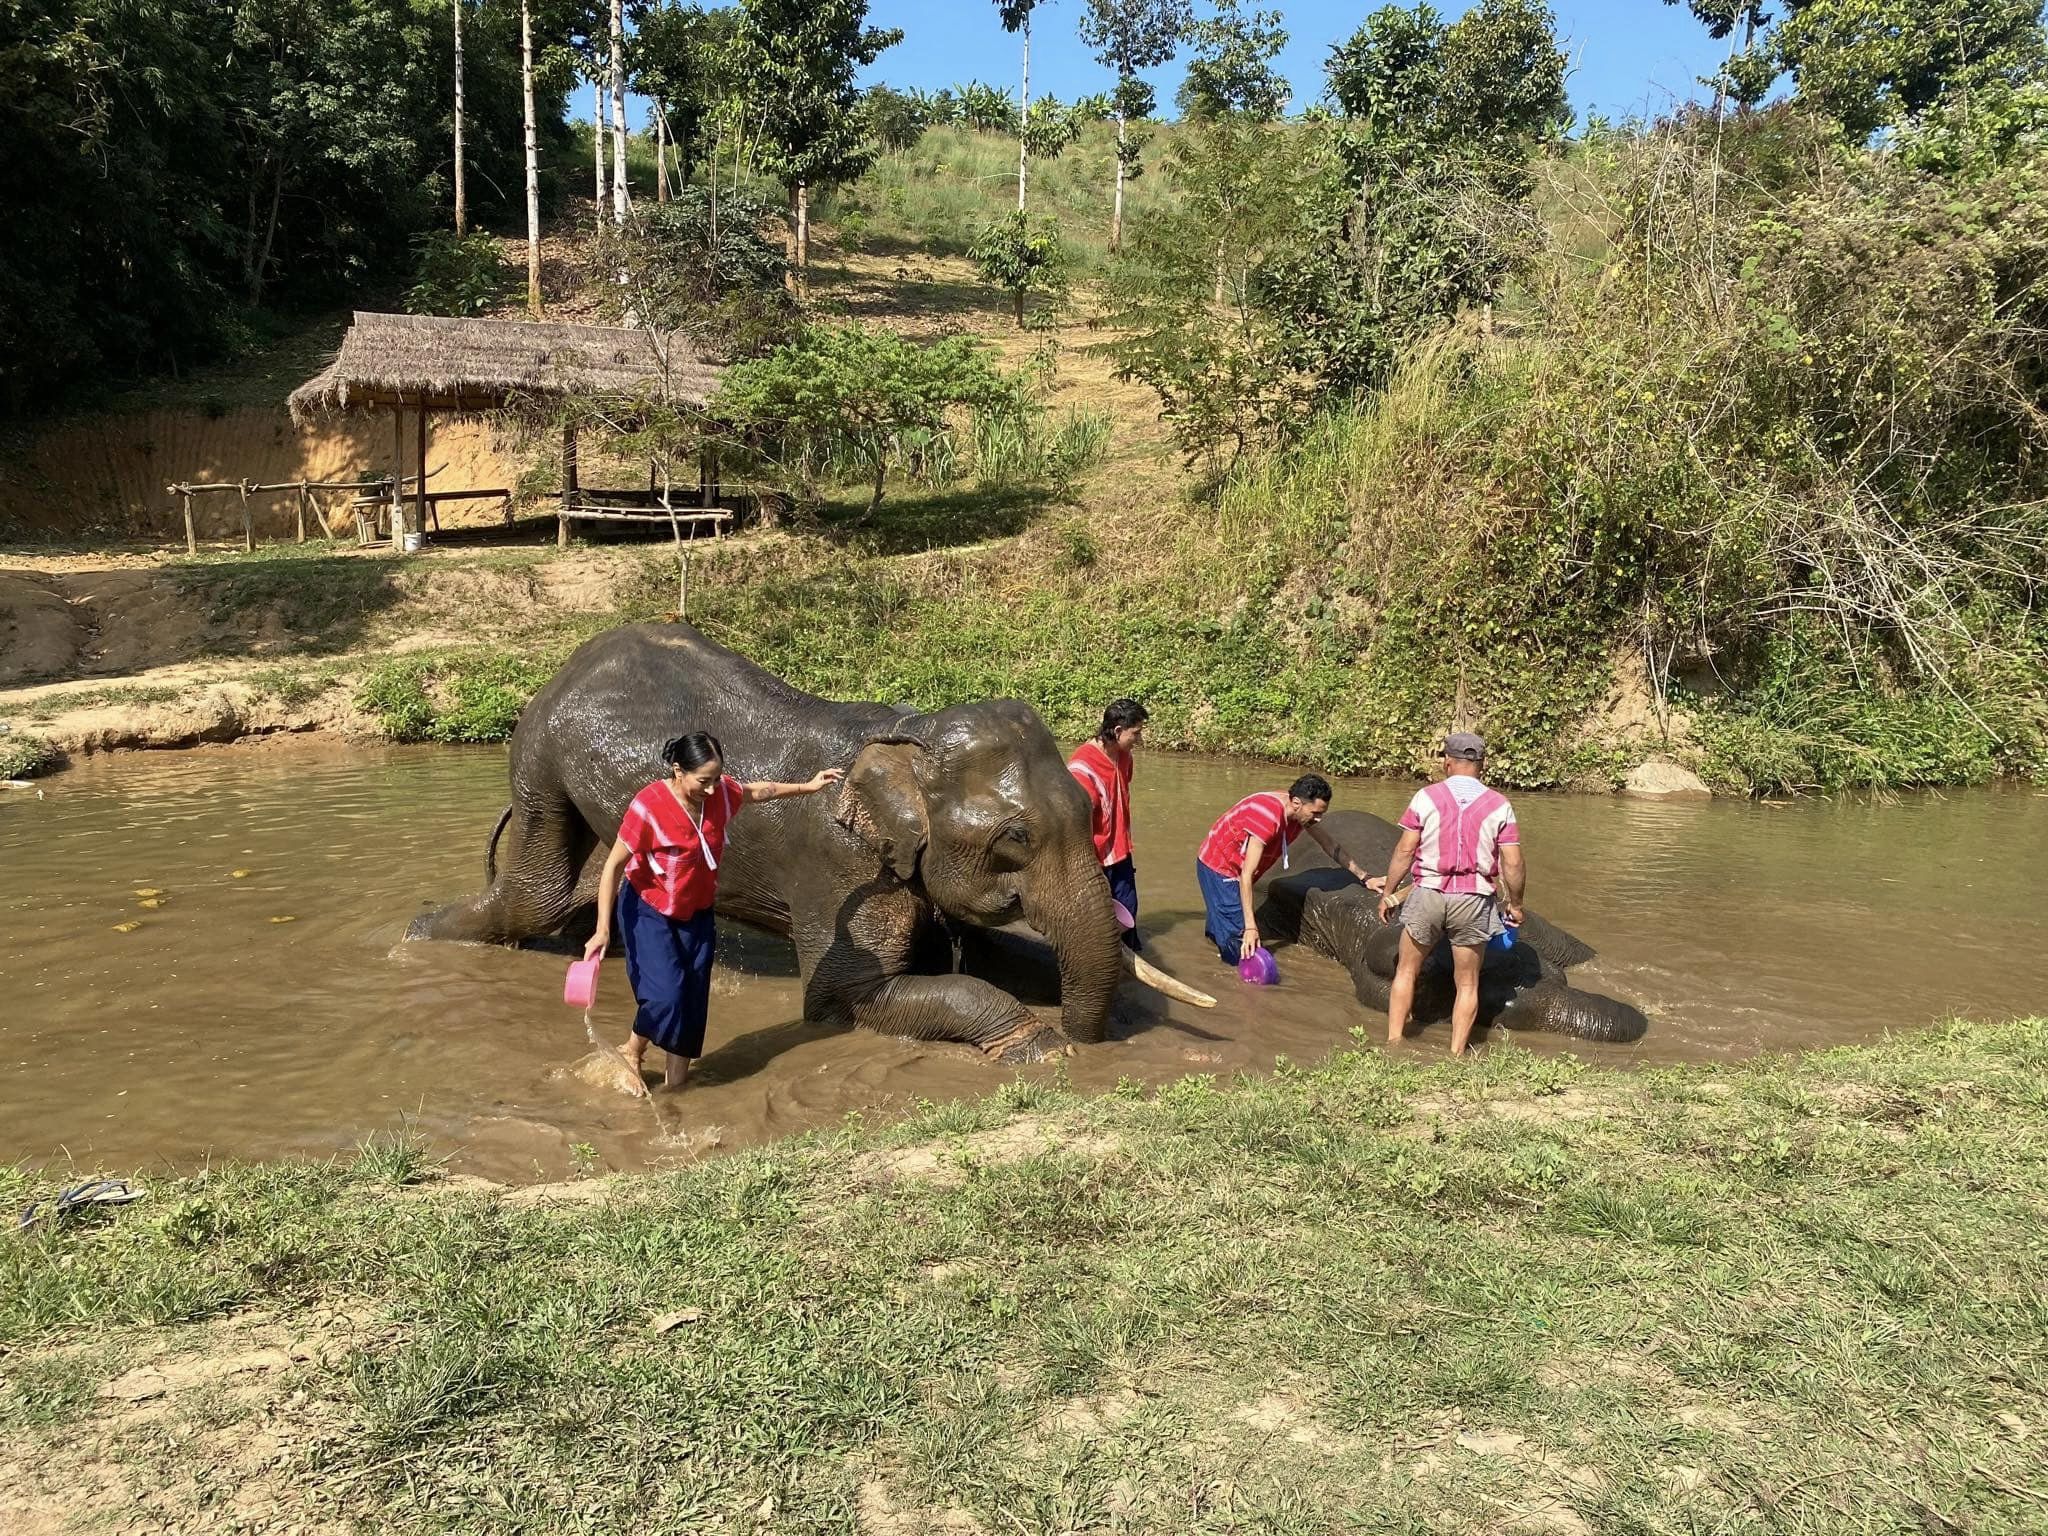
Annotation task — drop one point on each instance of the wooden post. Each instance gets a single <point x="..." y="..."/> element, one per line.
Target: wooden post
<point x="302" y="511"/>
<point x="568" y="483"/>
<point x="419" y="521"/>
<point x="710" y="475"/>
<point x="191" y="536"/>
<point x="248" y="523"/>
<point x="397" y="475"/>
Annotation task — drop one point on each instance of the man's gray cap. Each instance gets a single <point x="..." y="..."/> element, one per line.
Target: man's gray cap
<point x="1465" y="746"/>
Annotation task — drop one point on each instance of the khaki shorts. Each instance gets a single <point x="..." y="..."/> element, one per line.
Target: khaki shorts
<point x="1464" y="920"/>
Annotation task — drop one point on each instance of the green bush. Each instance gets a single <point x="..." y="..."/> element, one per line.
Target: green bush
<point x="23" y="756"/>
<point x="455" y="274"/>
<point x="453" y="696"/>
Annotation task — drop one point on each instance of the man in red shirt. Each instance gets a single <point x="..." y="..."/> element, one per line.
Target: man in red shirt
<point x="1102" y="767"/>
<point x="1249" y="839"/>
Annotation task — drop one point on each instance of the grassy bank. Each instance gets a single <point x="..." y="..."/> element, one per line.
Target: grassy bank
<point x="1800" y="1296"/>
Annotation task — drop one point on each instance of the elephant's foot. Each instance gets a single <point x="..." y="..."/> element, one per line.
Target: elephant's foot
<point x="1029" y="1042"/>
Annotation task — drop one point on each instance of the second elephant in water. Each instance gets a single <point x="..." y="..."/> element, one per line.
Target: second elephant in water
<point x="1521" y="988"/>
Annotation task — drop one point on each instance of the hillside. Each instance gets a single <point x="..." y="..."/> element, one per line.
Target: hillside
<point x="1292" y="606"/>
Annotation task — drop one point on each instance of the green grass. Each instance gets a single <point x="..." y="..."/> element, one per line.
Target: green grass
<point x="23" y="756"/>
<point x="127" y="695"/>
<point x="1380" y="1294"/>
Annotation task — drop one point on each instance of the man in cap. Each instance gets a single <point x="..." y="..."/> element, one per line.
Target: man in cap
<point x="1460" y="842"/>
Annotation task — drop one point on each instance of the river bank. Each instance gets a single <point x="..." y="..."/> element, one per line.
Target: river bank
<point x="144" y="648"/>
<point x="1520" y="1294"/>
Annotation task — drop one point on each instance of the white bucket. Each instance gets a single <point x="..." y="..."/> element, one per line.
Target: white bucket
<point x="410" y="542"/>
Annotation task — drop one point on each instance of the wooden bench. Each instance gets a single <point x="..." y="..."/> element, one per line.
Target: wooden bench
<point x="583" y="512"/>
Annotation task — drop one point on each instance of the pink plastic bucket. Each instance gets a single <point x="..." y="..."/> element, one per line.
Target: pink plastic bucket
<point x="1259" y="969"/>
<point x="1123" y="914"/>
<point x="580" y="990"/>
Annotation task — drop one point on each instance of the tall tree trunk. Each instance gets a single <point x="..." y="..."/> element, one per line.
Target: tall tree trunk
<point x="532" y="162"/>
<point x="803" y="235"/>
<point x="461" y="185"/>
<point x="1024" y="122"/>
<point x="660" y="153"/>
<point x="1116" y="218"/>
<point x="618" y="73"/>
<point x="792" y="282"/>
<point x="597" y="135"/>
<point x="261" y="271"/>
<point x="881" y="479"/>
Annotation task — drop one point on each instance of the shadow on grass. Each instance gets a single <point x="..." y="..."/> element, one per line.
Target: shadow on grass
<point x="906" y="525"/>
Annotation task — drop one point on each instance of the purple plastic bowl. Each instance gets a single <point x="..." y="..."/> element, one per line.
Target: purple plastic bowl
<point x="1259" y="970"/>
<point x="1123" y="914"/>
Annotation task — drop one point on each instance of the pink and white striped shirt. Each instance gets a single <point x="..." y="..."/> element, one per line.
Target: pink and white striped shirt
<point x="1463" y="825"/>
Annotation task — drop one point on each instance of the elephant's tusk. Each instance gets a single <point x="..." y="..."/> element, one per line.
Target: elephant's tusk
<point x="1158" y="980"/>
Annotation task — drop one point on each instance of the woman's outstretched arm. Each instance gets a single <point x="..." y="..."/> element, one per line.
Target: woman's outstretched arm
<point x="764" y="789"/>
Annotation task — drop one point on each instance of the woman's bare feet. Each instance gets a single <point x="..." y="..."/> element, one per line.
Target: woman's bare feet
<point x="678" y="1075"/>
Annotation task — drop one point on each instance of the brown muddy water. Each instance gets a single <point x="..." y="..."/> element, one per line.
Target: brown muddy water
<point x="266" y="1007"/>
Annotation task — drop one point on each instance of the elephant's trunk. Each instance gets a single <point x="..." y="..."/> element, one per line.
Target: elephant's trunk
<point x="1082" y="928"/>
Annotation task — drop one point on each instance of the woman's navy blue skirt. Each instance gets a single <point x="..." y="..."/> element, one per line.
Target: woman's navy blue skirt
<point x="669" y="964"/>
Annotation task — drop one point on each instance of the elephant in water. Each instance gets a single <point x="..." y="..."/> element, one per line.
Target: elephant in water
<point x="1520" y="988"/>
<point x="965" y="816"/>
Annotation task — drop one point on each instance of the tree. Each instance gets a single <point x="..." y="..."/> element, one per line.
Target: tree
<point x="1438" y="124"/>
<point x="1190" y="299"/>
<point x="1128" y="36"/>
<point x="1021" y="256"/>
<point x="1870" y="64"/>
<point x="461" y="190"/>
<point x="1016" y="17"/>
<point x="1232" y="68"/>
<point x="532" y="160"/>
<point x="848" y="387"/>
<point x="615" y="87"/>
<point x="166" y="163"/>
<point x="796" y="59"/>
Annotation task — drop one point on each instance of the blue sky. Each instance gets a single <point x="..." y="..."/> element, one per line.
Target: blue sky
<point x="1628" y="56"/>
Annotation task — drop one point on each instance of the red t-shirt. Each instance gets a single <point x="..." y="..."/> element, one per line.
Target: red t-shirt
<point x="674" y="865"/>
<point x="1105" y="777"/>
<point x="1262" y="816"/>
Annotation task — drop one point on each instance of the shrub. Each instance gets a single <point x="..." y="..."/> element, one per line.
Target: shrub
<point x="455" y="274"/>
<point x="23" y="756"/>
<point x="452" y="696"/>
<point x="1022" y="256"/>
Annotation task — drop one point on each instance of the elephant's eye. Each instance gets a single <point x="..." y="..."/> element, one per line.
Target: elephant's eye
<point x="1018" y="834"/>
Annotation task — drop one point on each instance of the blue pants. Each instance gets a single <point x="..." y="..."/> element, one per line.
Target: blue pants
<point x="1225" y="906"/>
<point x="1123" y="885"/>
<point x="669" y="965"/>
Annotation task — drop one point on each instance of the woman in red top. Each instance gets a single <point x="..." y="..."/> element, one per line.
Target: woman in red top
<point x="669" y="849"/>
<point x="1102" y="768"/>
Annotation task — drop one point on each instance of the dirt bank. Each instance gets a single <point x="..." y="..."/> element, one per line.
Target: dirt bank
<point x="139" y="650"/>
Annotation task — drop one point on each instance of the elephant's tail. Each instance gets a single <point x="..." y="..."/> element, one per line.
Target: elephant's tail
<point x="491" y="851"/>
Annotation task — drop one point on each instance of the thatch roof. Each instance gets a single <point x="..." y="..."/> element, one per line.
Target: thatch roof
<point x="480" y="365"/>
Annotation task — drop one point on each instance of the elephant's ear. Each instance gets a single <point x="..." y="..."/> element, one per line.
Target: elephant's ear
<point x="883" y="802"/>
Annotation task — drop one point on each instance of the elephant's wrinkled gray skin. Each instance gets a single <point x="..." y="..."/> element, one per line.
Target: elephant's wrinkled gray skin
<point x="967" y="814"/>
<point x="1522" y="988"/>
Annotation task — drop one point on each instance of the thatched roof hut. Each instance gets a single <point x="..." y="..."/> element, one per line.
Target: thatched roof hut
<point x="426" y="364"/>
<point x="439" y="364"/>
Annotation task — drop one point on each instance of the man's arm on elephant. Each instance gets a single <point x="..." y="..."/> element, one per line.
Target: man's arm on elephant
<point x="1254" y="850"/>
<point x="1514" y="880"/>
<point x="1397" y="871"/>
<point x="766" y="789"/>
<point x="1329" y="845"/>
<point x="607" y="896"/>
